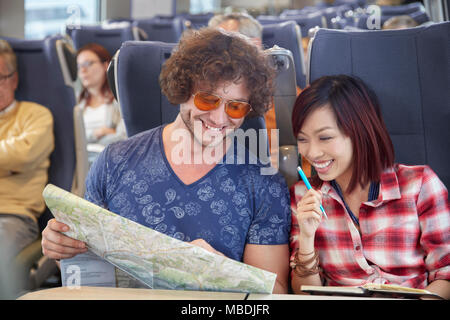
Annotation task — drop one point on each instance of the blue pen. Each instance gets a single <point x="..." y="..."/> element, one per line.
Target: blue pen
<point x="308" y="186"/>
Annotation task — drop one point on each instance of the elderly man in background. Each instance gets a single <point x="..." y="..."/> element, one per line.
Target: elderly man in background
<point x="26" y="141"/>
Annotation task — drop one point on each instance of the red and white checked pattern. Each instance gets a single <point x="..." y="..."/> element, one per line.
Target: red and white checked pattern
<point x="405" y="233"/>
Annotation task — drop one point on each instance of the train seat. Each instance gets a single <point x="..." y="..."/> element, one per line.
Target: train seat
<point x="305" y="21"/>
<point x="409" y="71"/>
<point x="287" y="35"/>
<point x="166" y="30"/>
<point x="111" y="39"/>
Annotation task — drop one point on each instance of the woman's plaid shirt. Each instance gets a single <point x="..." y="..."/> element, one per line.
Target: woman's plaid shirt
<point x="404" y="238"/>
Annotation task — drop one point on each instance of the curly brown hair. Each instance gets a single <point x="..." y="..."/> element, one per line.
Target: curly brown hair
<point x="211" y="56"/>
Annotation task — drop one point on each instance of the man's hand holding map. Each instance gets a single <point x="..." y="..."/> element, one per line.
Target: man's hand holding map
<point x="159" y="261"/>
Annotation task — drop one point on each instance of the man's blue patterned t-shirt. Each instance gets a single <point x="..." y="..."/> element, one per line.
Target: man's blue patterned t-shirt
<point x="232" y="205"/>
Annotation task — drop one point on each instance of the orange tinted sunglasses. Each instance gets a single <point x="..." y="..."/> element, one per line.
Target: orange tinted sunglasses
<point x="233" y="108"/>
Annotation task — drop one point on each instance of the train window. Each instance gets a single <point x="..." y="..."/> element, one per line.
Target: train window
<point x="438" y="10"/>
<point x="47" y="17"/>
<point x="203" y="6"/>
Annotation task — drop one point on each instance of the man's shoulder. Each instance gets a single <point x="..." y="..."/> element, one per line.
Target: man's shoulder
<point x="253" y="163"/>
<point x="32" y="105"/>
<point x="33" y="108"/>
<point x="33" y="112"/>
<point x="135" y="144"/>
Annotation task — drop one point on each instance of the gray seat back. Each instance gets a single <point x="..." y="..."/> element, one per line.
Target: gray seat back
<point x="409" y="70"/>
<point x="287" y="35"/>
<point x="284" y="99"/>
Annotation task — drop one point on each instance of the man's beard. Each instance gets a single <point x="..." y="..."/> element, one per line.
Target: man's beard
<point x="207" y="139"/>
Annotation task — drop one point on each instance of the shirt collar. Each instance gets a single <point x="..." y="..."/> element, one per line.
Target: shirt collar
<point x="8" y="108"/>
<point x="389" y="188"/>
<point x="326" y="187"/>
<point x="328" y="190"/>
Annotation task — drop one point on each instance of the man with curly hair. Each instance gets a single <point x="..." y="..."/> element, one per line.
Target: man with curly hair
<point x="218" y="78"/>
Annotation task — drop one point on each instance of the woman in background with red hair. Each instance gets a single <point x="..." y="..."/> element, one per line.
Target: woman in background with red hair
<point x="101" y="113"/>
<point x="387" y="223"/>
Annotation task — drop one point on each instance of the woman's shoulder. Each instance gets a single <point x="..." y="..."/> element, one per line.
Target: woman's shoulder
<point x="413" y="172"/>
<point x="113" y="104"/>
<point x="415" y="178"/>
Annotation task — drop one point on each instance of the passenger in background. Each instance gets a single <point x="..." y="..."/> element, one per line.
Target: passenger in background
<point x="239" y="22"/>
<point x="26" y="141"/>
<point x="173" y="178"/>
<point x="387" y="223"/>
<point x="101" y="113"/>
<point x="399" y="22"/>
<point x="250" y="27"/>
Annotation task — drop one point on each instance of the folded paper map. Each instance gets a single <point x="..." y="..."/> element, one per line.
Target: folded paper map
<point x="157" y="260"/>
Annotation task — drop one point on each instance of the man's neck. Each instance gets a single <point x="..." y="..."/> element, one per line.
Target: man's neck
<point x="189" y="169"/>
<point x="176" y="137"/>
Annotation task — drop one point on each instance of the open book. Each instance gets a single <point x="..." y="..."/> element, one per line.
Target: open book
<point x="371" y="289"/>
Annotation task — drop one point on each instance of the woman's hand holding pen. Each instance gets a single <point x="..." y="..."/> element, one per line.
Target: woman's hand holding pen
<point x="309" y="215"/>
<point x="306" y="260"/>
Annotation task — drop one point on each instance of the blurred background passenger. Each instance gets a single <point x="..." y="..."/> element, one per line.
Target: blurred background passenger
<point x="26" y="142"/>
<point x="101" y="113"/>
<point x="239" y="22"/>
<point x="400" y="22"/>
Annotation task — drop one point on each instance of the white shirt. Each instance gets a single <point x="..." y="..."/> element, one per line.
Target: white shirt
<point x="105" y="115"/>
<point x="95" y="118"/>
